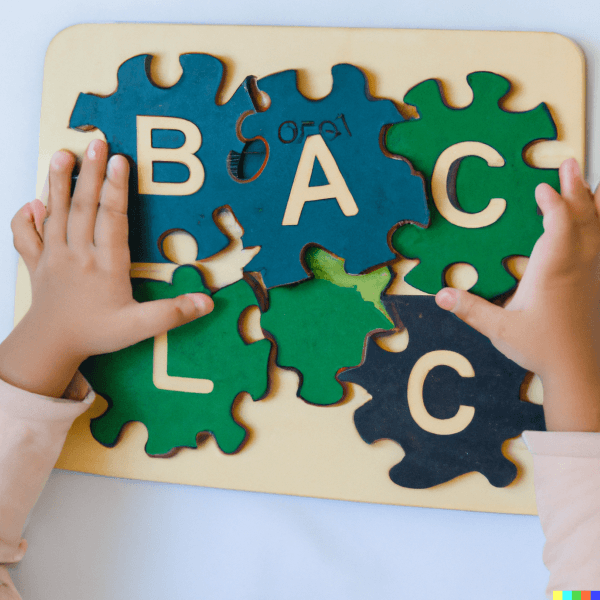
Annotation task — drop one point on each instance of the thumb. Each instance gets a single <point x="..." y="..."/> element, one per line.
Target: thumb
<point x="39" y="214"/>
<point x="157" y="317"/>
<point x="480" y="314"/>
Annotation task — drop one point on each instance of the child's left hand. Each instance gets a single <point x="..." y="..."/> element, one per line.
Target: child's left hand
<point x="78" y="261"/>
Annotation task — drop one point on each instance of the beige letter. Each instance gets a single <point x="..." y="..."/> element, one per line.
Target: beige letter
<point x="147" y="155"/>
<point x="315" y="148"/>
<point x="414" y="392"/>
<point x="163" y="381"/>
<point x="439" y="186"/>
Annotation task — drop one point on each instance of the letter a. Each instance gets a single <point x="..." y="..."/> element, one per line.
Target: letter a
<point x="147" y="156"/>
<point x="302" y="191"/>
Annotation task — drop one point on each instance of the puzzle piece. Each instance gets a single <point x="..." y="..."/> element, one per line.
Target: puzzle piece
<point x="453" y="148"/>
<point x="450" y="399"/>
<point x="333" y="142"/>
<point x="192" y="100"/>
<point x="320" y="324"/>
<point x="271" y="194"/>
<point x="208" y="348"/>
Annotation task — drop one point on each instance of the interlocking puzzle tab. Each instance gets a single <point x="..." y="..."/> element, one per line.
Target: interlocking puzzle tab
<point x="208" y="349"/>
<point x="320" y="324"/>
<point x="324" y="178"/>
<point x="483" y="208"/>
<point x="450" y="399"/>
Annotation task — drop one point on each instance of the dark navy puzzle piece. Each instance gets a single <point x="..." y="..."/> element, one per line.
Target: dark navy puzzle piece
<point x="192" y="98"/>
<point x="493" y="392"/>
<point x="348" y="120"/>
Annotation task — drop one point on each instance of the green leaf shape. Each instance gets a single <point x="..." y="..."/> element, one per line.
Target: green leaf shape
<point x="320" y="324"/>
<point x="423" y="140"/>
<point x="326" y="266"/>
<point x="207" y="348"/>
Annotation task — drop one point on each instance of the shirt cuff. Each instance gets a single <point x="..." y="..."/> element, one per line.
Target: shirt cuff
<point x="575" y="444"/>
<point x="79" y="390"/>
<point x="28" y="406"/>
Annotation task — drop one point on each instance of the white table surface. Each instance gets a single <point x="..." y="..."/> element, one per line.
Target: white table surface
<point x="95" y="538"/>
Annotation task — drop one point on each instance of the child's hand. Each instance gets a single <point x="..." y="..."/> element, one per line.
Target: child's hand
<point x="552" y="323"/>
<point x="78" y="261"/>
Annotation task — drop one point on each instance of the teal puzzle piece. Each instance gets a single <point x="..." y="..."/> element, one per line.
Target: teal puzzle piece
<point x="255" y="178"/>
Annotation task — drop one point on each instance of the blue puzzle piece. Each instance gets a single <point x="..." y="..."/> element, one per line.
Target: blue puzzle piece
<point x="349" y="121"/>
<point x="192" y="98"/>
<point x="494" y="393"/>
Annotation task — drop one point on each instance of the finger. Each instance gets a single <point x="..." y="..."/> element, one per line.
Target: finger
<point x="84" y="205"/>
<point x="575" y="190"/>
<point x="557" y="217"/>
<point x="26" y="238"/>
<point x="153" y="318"/>
<point x="39" y="215"/>
<point x="485" y="317"/>
<point x="546" y="197"/>
<point x="565" y="242"/>
<point x="59" y="197"/>
<point x="597" y="199"/>
<point x="111" y="223"/>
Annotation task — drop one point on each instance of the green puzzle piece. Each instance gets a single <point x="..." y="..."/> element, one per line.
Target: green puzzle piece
<point x="422" y="141"/>
<point x="320" y="324"/>
<point x="207" y="348"/>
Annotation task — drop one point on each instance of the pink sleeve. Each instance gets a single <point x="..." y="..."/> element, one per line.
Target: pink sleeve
<point x="33" y="429"/>
<point x="567" y="489"/>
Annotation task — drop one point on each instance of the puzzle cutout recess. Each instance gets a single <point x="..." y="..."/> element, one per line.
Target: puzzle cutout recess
<point x="331" y="192"/>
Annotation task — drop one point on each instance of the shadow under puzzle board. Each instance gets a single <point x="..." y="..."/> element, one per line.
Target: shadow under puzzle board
<point x="294" y="447"/>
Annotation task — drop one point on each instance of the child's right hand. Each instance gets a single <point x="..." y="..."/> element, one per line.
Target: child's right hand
<point x="552" y="323"/>
<point x="78" y="262"/>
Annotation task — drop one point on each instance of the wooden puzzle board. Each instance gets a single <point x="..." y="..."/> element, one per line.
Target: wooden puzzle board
<point x="296" y="448"/>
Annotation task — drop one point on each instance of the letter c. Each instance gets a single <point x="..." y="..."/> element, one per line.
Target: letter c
<point x="439" y="186"/>
<point x="414" y="392"/>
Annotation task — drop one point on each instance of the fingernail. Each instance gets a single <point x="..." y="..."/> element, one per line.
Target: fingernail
<point x="39" y="213"/>
<point x="94" y="148"/>
<point x="110" y="167"/>
<point x="203" y="302"/>
<point x="446" y="298"/>
<point x="575" y="170"/>
<point x="59" y="159"/>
